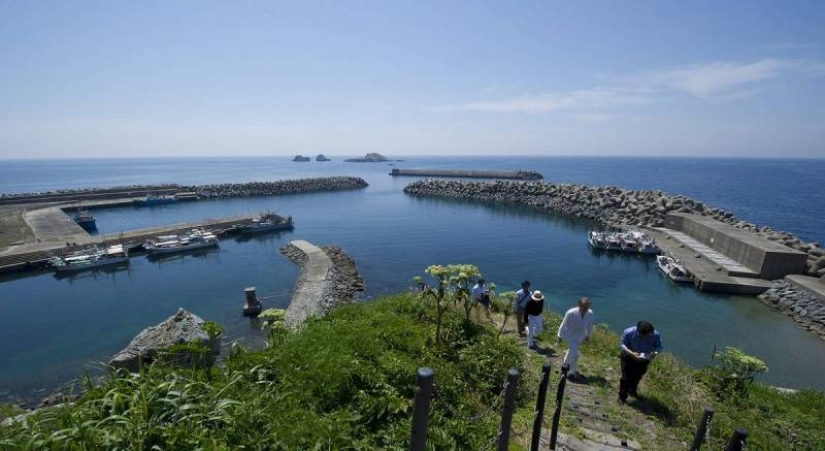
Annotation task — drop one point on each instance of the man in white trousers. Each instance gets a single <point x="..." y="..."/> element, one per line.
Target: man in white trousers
<point x="575" y="328"/>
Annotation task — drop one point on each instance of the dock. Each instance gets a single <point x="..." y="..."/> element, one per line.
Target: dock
<point x="723" y="258"/>
<point x="468" y="173"/>
<point x="54" y="233"/>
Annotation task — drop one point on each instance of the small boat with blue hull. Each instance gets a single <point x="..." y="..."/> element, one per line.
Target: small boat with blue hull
<point x="149" y="201"/>
<point x="84" y="219"/>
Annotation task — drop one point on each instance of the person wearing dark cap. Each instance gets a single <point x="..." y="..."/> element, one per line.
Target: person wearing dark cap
<point x="640" y="345"/>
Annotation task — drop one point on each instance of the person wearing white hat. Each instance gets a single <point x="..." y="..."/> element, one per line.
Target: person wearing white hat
<point x="533" y="311"/>
<point x="576" y="327"/>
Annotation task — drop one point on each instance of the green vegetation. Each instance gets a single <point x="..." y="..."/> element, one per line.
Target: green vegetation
<point x="346" y="381"/>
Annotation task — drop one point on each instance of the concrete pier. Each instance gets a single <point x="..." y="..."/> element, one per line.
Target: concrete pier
<point x="468" y="173"/>
<point x="307" y="299"/>
<point x="36" y="255"/>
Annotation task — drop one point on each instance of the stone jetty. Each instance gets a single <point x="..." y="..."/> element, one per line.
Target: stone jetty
<point x="296" y="186"/>
<point x="223" y="190"/>
<point x="328" y="278"/>
<point x="609" y="205"/>
<point x="468" y="173"/>
<point x="805" y="307"/>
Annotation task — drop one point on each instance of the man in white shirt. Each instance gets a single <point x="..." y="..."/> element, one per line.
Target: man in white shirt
<point x="575" y="328"/>
<point x="480" y="296"/>
<point x="522" y="296"/>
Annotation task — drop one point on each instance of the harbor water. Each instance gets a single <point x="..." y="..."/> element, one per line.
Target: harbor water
<point x="50" y="328"/>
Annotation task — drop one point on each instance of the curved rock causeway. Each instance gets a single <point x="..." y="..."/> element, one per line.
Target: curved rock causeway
<point x="610" y="205"/>
<point x="328" y="278"/>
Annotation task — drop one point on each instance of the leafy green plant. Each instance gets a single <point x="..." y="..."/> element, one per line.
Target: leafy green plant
<point x="213" y="330"/>
<point x="734" y="371"/>
<point x="452" y="283"/>
<point x="504" y="304"/>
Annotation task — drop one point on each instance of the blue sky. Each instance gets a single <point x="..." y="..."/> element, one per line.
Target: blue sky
<point x="95" y="79"/>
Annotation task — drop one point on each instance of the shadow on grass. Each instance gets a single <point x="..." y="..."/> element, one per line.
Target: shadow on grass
<point x="546" y="351"/>
<point x="653" y="406"/>
<point x="593" y="381"/>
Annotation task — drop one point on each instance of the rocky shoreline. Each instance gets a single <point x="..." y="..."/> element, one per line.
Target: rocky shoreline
<point x="609" y="205"/>
<point x="806" y="308"/>
<point x="339" y="284"/>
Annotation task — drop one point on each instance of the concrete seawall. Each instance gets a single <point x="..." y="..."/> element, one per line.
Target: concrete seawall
<point x="328" y="278"/>
<point x="468" y="173"/>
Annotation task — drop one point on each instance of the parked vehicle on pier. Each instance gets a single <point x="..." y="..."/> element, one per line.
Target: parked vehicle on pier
<point x="167" y="244"/>
<point x="95" y="258"/>
<point x="674" y="269"/>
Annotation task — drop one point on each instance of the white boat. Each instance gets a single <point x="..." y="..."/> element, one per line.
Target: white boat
<point x="113" y="255"/>
<point x="612" y="242"/>
<point x="646" y="244"/>
<point x="596" y="239"/>
<point x="628" y="243"/>
<point x="673" y="269"/>
<point x="167" y="244"/>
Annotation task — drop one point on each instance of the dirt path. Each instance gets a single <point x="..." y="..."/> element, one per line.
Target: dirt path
<point x="592" y="418"/>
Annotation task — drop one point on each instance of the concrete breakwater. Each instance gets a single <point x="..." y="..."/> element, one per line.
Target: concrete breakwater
<point x="295" y="186"/>
<point x="610" y="205"/>
<point x="328" y="278"/>
<point x="211" y="191"/>
<point x="468" y="173"/>
<point x="806" y="308"/>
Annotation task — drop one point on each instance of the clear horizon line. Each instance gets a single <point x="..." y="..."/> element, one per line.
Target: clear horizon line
<point x="437" y="156"/>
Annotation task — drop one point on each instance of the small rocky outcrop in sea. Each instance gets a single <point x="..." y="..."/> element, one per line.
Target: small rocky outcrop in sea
<point x="169" y="341"/>
<point x="321" y="157"/>
<point x="300" y="158"/>
<point x="609" y="205"/>
<point x="369" y="158"/>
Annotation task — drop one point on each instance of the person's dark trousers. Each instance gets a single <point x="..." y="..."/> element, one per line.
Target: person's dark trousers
<point x="632" y="372"/>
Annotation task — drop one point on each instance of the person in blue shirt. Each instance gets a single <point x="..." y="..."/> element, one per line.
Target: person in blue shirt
<point x="640" y="345"/>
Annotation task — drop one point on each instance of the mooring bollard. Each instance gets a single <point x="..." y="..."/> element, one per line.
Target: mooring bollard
<point x="554" y="433"/>
<point x="253" y="306"/>
<point x="509" y="406"/>
<point x="421" y="409"/>
<point x="702" y="429"/>
<point x="542" y="397"/>
<point x="737" y="440"/>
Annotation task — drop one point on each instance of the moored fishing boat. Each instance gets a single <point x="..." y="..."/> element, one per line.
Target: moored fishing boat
<point x="167" y="244"/>
<point x="84" y="219"/>
<point x="673" y="269"/>
<point x="151" y="200"/>
<point x="112" y="255"/>
<point x="267" y="222"/>
<point x="596" y="239"/>
<point x="646" y="243"/>
<point x="612" y="242"/>
<point x="628" y="243"/>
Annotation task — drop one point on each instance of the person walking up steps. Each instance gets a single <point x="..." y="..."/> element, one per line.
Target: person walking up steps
<point x="532" y="312"/>
<point x="576" y="328"/>
<point x="522" y="296"/>
<point x="640" y="345"/>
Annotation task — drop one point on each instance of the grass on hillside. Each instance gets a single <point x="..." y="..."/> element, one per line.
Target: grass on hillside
<point x="346" y="381"/>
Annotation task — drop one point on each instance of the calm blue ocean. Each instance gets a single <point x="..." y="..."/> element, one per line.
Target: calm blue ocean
<point x="50" y="328"/>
